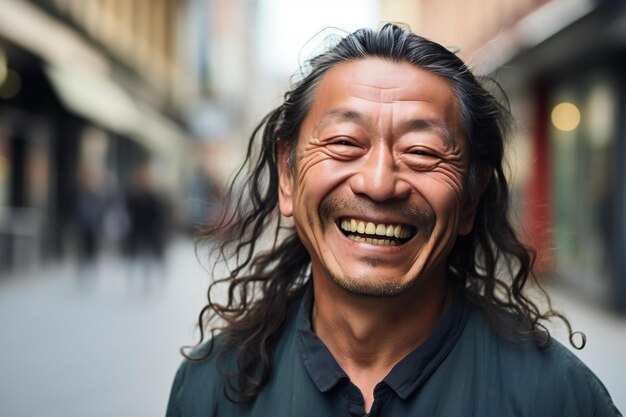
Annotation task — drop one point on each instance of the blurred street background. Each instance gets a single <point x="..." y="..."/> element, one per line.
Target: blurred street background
<point x="121" y="122"/>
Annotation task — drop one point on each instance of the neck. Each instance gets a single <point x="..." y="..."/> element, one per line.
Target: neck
<point x="368" y="336"/>
<point x="371" y="331"/>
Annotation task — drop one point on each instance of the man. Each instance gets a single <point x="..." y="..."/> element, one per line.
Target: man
<point x="387" y="296"/>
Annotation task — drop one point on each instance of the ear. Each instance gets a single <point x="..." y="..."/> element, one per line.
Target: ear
<point x="285" y="179"/>
<point x="468" y="213"/>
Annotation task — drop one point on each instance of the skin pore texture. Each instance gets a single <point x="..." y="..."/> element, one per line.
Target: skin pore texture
<point x="381" y="145"/>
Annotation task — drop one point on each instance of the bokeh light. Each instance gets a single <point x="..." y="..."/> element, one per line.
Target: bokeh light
<point x="12" y="85"/>
<point x="565" y="116"/>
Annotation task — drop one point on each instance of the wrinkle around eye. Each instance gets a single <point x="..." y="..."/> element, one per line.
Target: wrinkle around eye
<point x="424" y="158"/>
<point x="316" y="152"/>
<point x="451" y="174"/>
<point x="309" y="160"/>
<point x="344" y="152"/>
<point x="422" y="162"/>
<point x="343" y="148"/>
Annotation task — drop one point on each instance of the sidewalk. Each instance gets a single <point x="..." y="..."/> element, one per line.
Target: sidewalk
<point x="101" y="348"/>
<point x="111" y="348"/>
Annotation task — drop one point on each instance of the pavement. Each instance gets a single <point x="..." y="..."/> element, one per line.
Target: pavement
<point x="107" y="344"/>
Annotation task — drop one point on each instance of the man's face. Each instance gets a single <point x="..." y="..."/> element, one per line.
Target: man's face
<point x="377" y="191"/>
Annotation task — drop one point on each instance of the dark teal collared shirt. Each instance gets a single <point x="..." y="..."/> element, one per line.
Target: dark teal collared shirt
<point x="401" y="381"/>
<point x="462" y="369"/>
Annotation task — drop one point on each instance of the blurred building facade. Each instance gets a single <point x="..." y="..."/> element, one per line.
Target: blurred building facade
<point x="572" y="87"/>
<point x="562" y="63"/>
<point x="90" y="91"/>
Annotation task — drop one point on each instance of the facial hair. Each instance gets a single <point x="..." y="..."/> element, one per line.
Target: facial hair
<point x="330" y="208"/>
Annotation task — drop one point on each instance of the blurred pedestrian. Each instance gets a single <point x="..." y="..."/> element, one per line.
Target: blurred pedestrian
<point x="399" y="288"/>
<point x="148" y="228"/>
<point x="90" y="206"/>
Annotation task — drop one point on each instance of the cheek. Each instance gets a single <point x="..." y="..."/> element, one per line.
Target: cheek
<point x="317" y="177"/>
<point x="451" y="174"/>
<point x="442" y="192"/>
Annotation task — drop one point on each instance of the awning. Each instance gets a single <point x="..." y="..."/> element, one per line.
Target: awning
<point x="101" y="100"/>
<point x="82" y="77"/>
<point x="528" y="32"/>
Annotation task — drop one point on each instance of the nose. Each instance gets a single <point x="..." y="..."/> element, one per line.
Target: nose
<point x="378" y="177"/>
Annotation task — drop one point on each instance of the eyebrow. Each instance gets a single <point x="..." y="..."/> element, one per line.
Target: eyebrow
<point x="343" y="115"/>
<point x="433" y="125"/>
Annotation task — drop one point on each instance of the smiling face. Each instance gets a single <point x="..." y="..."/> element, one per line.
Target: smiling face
<point x="377" y="191"/>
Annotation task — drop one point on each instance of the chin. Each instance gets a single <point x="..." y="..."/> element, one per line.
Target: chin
<point x="375" y="289"/>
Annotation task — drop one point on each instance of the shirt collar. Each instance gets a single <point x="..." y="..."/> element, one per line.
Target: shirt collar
<point x="318" y="361"/>
<point x="406" y="376"/>
<point x="417" y="366"/>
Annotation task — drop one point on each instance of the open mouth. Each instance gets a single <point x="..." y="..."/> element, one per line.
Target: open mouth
<point x="376" y="234"/>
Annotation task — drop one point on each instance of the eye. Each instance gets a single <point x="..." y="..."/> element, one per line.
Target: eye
<point x="422" y="152"/>
<point x="343" y="142"/>
<point x="422" y="158"/>
<point x="344" y="147"/>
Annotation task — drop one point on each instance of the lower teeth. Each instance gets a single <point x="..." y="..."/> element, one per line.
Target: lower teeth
<point x="374" y="241"/>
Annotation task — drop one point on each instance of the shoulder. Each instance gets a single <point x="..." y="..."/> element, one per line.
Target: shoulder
<point x="549" y="378"/>
<point x="573" y="383"/>
<point x="203" y="385"/>
<point x="199" y="381"/>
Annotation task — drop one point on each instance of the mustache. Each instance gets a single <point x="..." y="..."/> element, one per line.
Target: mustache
<point x="331" y="207"/>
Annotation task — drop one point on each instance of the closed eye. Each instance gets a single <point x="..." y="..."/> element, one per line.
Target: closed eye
<point x="344" y="147"/>
<point x="422" y="152"/>
<point x="343" y="142"/>
<point x="422" y="159"/>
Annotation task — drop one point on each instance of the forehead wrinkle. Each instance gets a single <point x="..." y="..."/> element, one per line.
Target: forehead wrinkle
<point x="376" y="87"/>
<point x="379" y="94"/>
<point x="382" y="87"/>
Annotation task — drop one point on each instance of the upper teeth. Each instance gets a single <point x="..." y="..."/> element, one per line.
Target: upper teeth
<point x="369" y="228"/>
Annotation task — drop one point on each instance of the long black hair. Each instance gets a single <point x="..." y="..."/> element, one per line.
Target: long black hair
<point x="262" y="284"/>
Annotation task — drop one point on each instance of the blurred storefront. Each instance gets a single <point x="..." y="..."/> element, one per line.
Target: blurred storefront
<point x="571" y="90"/>
<point x="89" y="92"/>
<point x="562" y="63"/>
